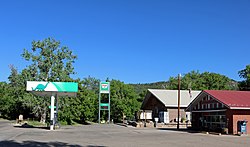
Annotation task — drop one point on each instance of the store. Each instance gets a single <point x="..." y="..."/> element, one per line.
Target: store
<point x="164" y="104"/>
<point x="220" y="111"/>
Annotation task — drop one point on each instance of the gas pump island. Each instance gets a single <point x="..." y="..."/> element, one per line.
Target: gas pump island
<point x="52" y="90"/>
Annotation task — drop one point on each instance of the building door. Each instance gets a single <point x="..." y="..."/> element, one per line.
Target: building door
<point x="166" y="117"/>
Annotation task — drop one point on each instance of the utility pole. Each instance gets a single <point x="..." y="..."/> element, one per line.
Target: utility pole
<point x="179" y="87"/>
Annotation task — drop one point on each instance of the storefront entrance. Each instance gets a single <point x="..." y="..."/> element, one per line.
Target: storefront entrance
<point x="210" y="120"/>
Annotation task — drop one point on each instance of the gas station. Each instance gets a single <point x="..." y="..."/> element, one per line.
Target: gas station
<point x="54" y="90"/>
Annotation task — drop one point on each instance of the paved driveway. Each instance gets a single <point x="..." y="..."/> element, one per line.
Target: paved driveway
<point x="113" y="135"/>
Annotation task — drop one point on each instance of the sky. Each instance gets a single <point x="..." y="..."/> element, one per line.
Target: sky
<point x="135" y="41"/>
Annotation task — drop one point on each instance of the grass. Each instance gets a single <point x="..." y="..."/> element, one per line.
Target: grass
<point x="36" y="123"/>
<point x="73" y="123"/>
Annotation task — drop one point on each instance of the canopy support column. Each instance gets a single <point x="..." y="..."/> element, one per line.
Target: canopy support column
<point x="52" y="112"/>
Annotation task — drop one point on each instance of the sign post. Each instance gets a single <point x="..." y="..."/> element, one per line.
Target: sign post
<point x="105" y="89"/>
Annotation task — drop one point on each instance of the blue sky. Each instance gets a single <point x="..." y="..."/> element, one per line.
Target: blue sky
<point x="135" y="41"/>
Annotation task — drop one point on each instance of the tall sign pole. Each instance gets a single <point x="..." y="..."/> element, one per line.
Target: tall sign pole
<point x="109" y="107"/>
<point x="179" y="87"/>
<point x="99" y="117"/>
<point x="104" y="88"/>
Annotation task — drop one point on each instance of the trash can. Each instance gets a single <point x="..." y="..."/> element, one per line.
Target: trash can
<point x="242" y="127"/>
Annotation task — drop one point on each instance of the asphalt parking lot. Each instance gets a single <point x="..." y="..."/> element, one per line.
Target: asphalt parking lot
<point x="112" y="136"/>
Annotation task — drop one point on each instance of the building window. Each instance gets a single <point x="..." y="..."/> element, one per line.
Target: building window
<point x="214" y="121"/>
<point x="217" y="106"/>
<point x="208" y="106"/>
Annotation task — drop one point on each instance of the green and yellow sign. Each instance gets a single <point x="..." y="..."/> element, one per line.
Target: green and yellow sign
<point x="104" y="87"/>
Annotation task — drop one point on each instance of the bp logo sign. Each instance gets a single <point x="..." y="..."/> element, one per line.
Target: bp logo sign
<point x="104" y="87"/>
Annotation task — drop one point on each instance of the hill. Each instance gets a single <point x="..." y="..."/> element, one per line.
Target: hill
<point x="141" y="88"/>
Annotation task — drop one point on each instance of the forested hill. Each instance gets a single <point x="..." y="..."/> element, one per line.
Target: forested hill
<point x="192" y="80"/>
<point x="139" y="88"/>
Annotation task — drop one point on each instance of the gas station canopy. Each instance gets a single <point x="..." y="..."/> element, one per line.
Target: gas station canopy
<point x="51" y="88"/>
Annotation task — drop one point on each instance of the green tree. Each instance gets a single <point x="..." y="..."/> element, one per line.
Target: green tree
<point x="89" y="90"/>
<point x="15" y="96"/>
<point x="49" y="62"/>
<point x="5" y="100"/>
<point x="245" y="74"/>
<point x="203" y="81"/>
<point x="214" y="81"/>
<point x="84" y="107"/>
<point x="191" y="80"/>
<point x="123" y="100"/>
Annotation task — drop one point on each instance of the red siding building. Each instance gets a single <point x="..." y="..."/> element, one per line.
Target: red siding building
<point x="218" y="110"/>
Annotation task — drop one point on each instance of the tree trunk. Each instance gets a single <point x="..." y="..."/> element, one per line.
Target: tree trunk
<point x="43" y="116"/>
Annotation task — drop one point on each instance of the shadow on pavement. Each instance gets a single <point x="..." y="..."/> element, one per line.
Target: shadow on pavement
<point x="25" y="125"/>
<point x="180" y="130"/>
<point x="12" y="143"/>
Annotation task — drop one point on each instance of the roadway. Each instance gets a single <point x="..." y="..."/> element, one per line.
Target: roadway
<point x="112" y="136"/>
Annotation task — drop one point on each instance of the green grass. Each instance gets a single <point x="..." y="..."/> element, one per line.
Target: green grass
<point x="73" y="123"/>
<point x="62" y="123"/>
<point x="36" y="123"/>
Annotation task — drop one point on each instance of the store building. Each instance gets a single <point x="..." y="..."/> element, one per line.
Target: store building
<point x="220" y="110"/>
<point x="164" y="104"/>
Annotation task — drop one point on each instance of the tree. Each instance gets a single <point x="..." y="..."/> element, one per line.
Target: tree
<point x="214" y="81"/>
<point x="245" y="74"/>
<point x="15" y="97"/>
<point x="5" y="101"/>
<point x="123" y="100"/>
<point x="203" y="81"/>
<point x="191" y="80"/>
<point x="89" y="90"/>
<point x="84" y="107"/>
<point x="49" y="62"/>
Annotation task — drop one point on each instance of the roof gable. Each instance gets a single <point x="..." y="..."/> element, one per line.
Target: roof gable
<point x="232" y="99"/>
<point x="170" y="97"/>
